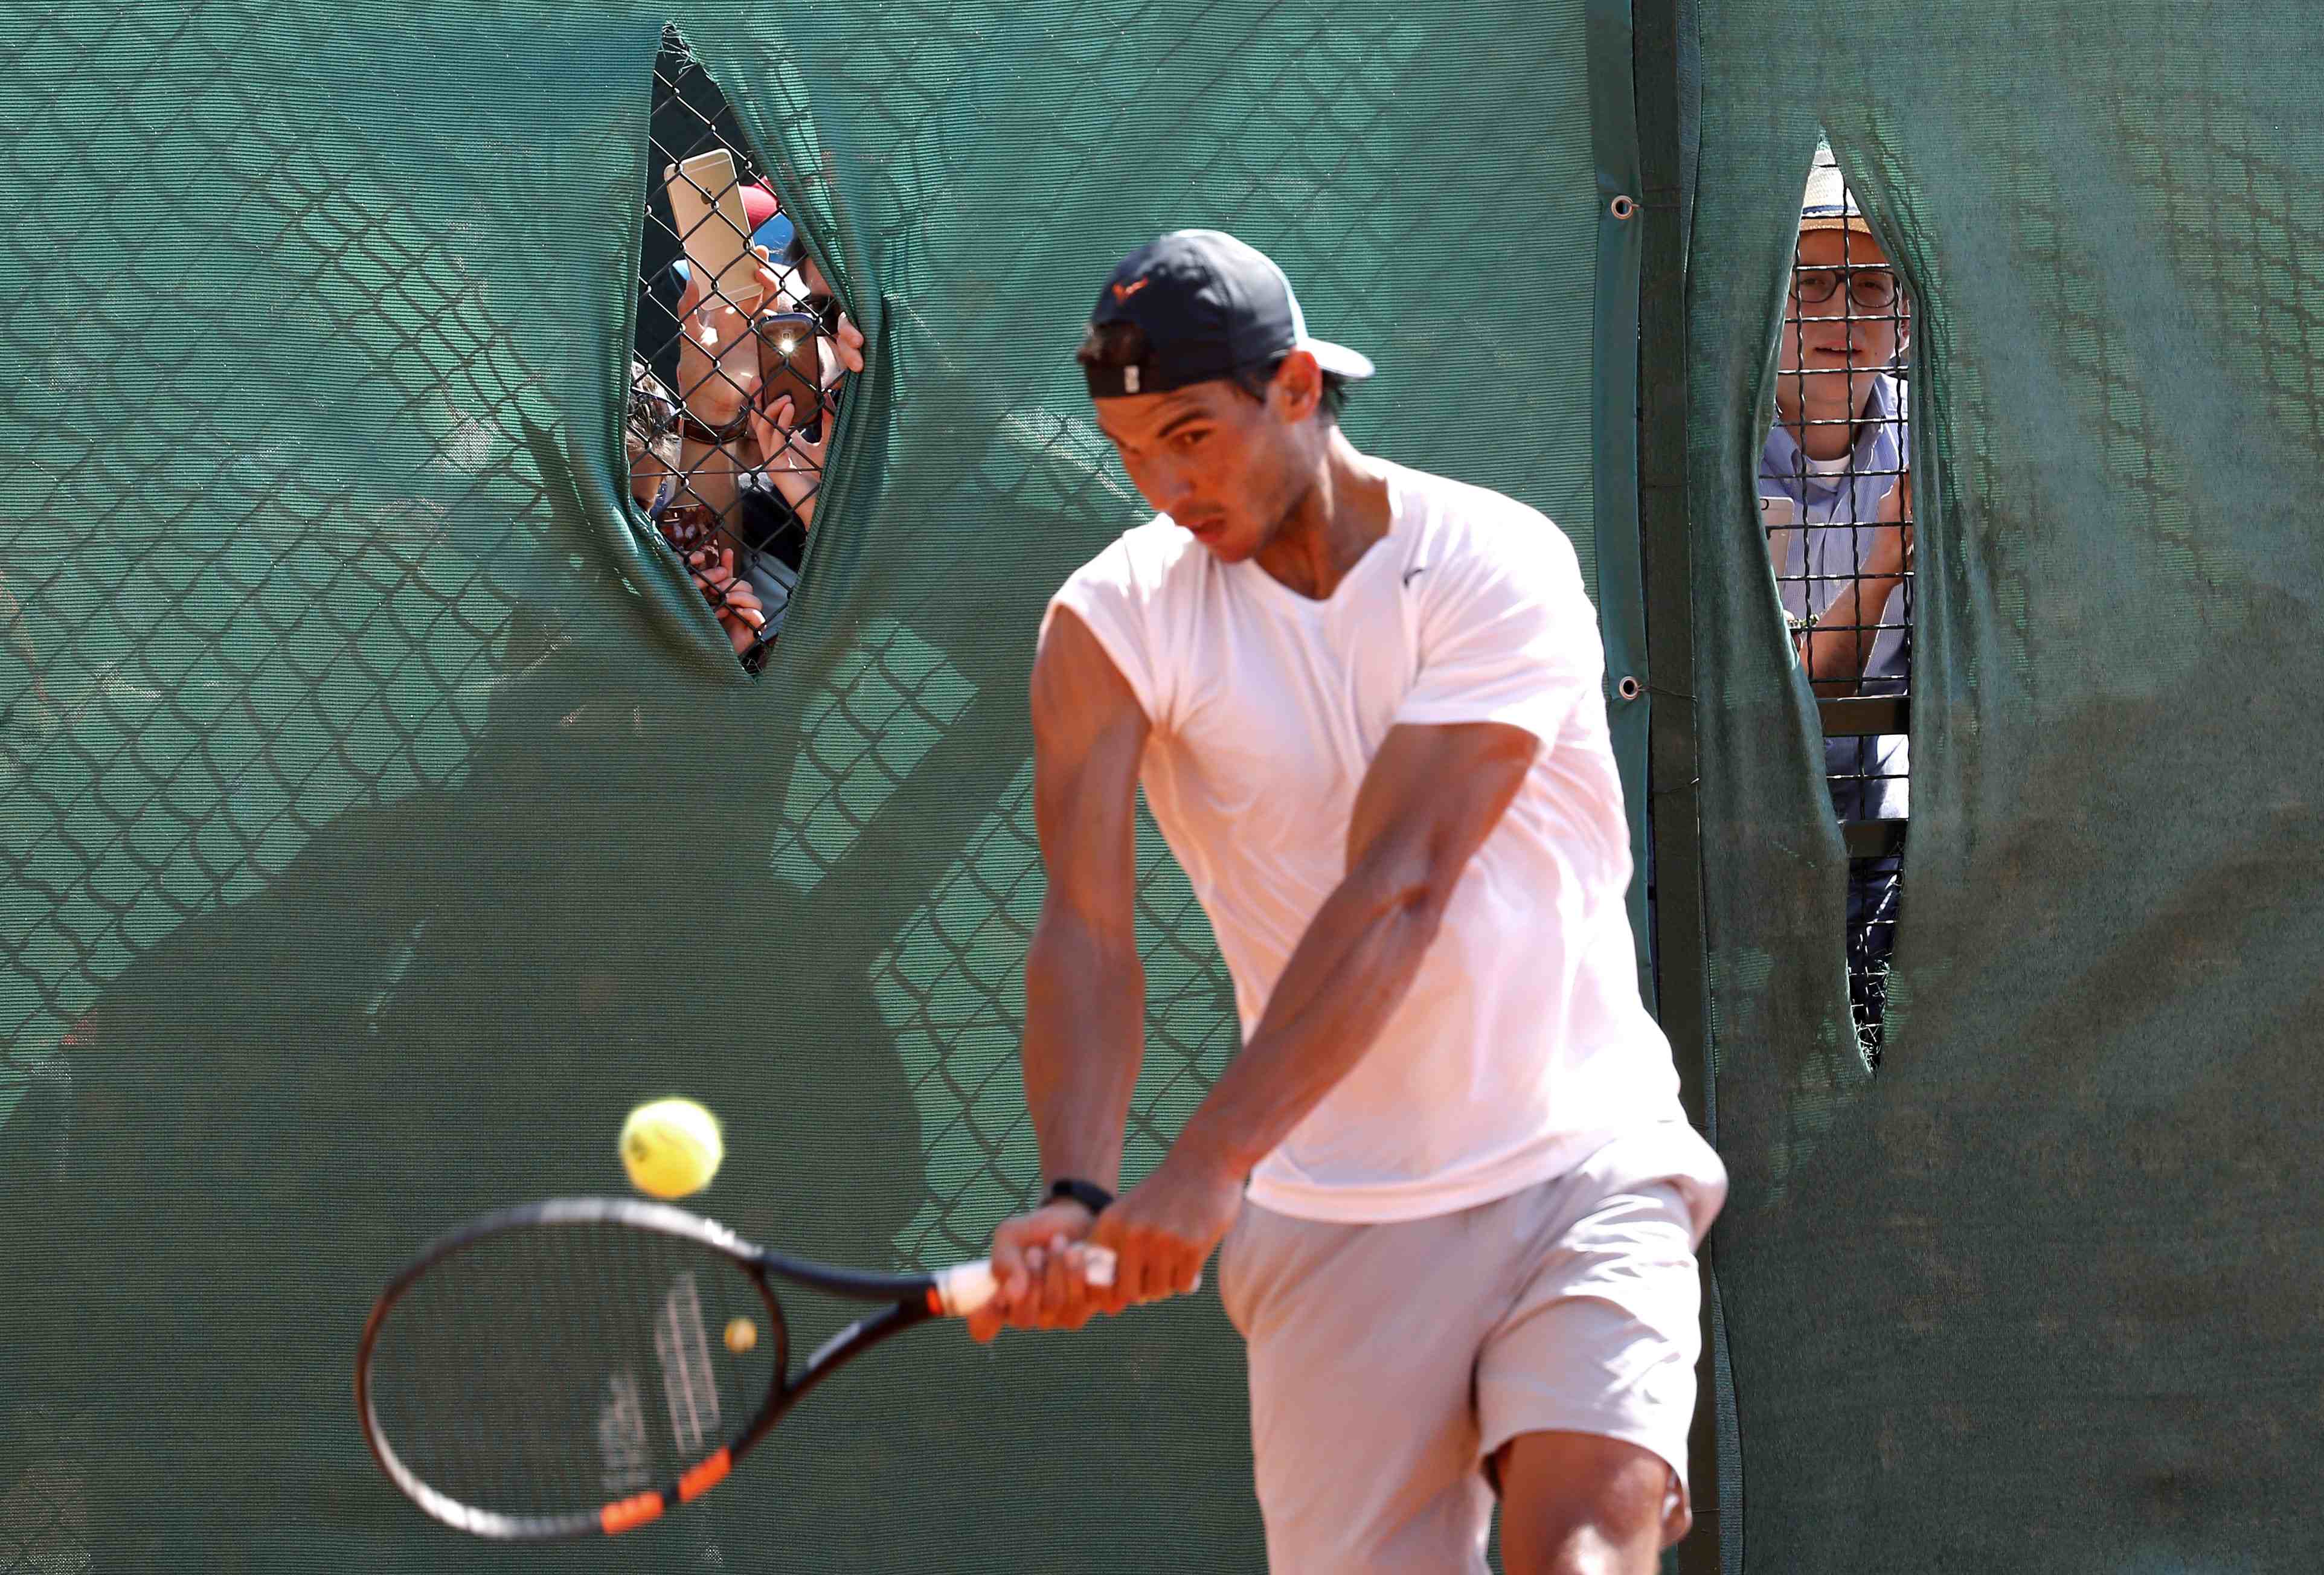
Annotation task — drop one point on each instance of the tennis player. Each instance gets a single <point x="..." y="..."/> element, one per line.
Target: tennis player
<point x="1459" y="1198"/>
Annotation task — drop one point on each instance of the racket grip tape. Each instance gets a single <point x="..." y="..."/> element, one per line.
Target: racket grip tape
<point x="963" y="1289"/>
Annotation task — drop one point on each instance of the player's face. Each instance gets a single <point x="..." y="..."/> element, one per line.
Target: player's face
<point x="1845" y="320"/>
<point x="1225" y="466"/>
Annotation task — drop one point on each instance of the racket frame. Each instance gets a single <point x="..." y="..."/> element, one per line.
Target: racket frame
<point x="912" y="1299"/>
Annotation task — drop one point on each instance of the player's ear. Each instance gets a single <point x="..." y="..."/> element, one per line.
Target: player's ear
<point x="1298" y="386"/>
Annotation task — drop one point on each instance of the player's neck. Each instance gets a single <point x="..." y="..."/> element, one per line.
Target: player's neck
<point x="1334" y="525"/>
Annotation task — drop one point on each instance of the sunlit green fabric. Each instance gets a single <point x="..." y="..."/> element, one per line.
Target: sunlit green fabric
<point x="2040" y="1295"/>
<point x="384" y="813"/>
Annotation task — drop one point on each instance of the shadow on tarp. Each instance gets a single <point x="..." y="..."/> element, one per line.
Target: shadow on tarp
<point x="436" y="1009"/>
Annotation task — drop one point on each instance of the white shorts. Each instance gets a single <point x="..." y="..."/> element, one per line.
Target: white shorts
<point x="1389" y="1361"/>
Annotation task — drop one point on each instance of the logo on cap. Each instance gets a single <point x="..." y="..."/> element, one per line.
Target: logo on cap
<point x="1124" y="291"/>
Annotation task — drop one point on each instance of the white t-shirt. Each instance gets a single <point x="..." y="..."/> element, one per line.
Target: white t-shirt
<point x="1523" y="1045"/>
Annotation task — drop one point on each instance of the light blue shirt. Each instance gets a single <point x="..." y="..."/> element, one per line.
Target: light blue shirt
<point x="1835" y="519"/>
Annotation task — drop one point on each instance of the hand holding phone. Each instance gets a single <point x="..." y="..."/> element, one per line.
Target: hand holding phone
<point x="705" y="204"/>
<point x="790" y="363"/>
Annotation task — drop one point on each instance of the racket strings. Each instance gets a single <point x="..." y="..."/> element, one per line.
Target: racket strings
<point x="552" y="1369"/>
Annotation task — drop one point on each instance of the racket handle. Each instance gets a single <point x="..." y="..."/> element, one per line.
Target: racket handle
<point x="964" y="1287"/>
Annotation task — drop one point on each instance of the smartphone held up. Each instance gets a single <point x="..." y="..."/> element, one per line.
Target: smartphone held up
<point x="714" y="226"/>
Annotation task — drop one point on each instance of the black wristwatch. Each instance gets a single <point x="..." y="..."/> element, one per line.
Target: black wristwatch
<point x="1088" y="1194"/>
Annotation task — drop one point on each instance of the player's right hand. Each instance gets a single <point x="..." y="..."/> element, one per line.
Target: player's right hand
<point x="1039" y="1275"/>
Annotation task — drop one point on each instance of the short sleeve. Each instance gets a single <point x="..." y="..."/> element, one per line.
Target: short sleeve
<point x="1508" y="636"/>
<point x="1105" y="595"/>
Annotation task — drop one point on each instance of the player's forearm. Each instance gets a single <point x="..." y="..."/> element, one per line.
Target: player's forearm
<point x="1084" y="1037"/>
<point x="1352" y="970"/>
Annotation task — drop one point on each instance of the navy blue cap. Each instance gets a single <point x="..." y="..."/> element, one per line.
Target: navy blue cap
<point x="1208" y="306"/>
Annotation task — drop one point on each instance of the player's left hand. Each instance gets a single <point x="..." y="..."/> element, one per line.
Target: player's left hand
<point x="1162" y="1231"/>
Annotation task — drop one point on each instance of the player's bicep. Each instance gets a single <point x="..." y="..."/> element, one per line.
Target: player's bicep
<point x="1089" y="734"/>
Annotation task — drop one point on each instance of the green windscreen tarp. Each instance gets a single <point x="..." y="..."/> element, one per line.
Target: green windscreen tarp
<point x="2041" y="1294"/>
<point x="386" y="813"/>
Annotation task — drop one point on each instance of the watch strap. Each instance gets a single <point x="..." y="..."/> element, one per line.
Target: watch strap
<point x="734" y="431"/>
<point x="1088" y="1194"/>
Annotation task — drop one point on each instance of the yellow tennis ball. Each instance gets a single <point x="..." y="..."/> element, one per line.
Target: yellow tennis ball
<point x="672" y="1147"/>
<point x="741" y="1334"/>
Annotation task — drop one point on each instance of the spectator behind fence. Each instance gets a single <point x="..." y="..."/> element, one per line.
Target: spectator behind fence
<point x="1839" y="456"/>
<point x="751" y="465"/>
<point x="1839" y="450"/>
<point x="651" y="440"/>
<point x="794" y="442"/>
<point x="1835" y="485"/>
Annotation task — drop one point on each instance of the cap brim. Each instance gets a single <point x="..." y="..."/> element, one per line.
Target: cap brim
<point x="776" y="236"/>
<point x="1833" y="221"/>
<point x="1352" y="364"/>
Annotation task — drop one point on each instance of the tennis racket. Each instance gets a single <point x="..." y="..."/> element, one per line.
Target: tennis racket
<point x="578" y="1366"/>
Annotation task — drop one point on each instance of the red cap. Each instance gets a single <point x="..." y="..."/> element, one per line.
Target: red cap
<point x="759" y="204"/>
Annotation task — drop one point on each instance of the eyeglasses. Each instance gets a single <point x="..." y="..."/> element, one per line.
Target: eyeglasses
<point x="1872" y="289"/>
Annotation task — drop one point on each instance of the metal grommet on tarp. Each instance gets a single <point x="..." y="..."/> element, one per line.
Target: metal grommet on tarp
<point x="1629" y="688"/>
<point x="1622" y="207"/>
